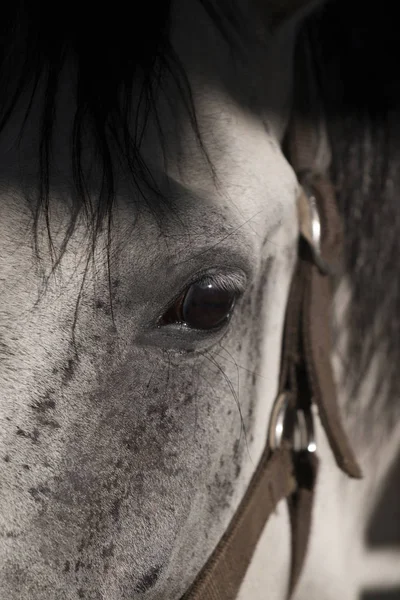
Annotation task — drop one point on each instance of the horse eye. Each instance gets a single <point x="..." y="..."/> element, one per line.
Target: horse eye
<point x="203" y="305"/>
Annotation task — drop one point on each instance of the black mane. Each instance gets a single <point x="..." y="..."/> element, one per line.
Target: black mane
<point x="115" y="59"/>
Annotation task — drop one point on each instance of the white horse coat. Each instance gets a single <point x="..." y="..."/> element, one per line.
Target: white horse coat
<point x="123" y="451"/>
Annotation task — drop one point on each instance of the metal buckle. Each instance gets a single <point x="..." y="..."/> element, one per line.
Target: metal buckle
<point x="310" y="226"/>
<point x="291" y="424"/>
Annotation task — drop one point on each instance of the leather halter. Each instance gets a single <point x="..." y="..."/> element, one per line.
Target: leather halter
<point x="288" y="466"/>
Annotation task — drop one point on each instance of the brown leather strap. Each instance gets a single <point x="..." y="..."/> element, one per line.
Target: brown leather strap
<point x="307" y="148"/>
<point x="224" y="572"/>
<point x="300" y="505"/>
<point x="294" y="381"/>
<point x="317" y="320"/>
<point x="315" y="289"/>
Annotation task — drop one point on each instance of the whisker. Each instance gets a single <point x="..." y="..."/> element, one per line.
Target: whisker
<point x="235" y="396"/>
<point x="234" y="362"/>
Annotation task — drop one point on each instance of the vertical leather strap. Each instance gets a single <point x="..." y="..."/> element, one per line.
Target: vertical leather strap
<point x="306" y="370"/>
<point x="300" y="505"/>
<point x="317" y="319"/>
<point x="309" y="154"/>
<point x="306" y="363"/>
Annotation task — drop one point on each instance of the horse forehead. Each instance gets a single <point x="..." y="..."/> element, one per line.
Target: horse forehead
<point x="241" y="101"/>
<point x="238" y="173"/>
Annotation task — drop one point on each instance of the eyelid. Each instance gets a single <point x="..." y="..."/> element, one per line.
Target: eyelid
<point x="228" y="281"/>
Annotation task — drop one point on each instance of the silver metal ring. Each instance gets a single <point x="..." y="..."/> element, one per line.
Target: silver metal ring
<point x="294" y="425"/>
<point x="277" y="421"/>
<point x="310" y="226"/>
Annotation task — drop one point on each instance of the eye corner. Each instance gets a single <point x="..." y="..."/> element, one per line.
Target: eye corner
<point x="170" y="314"/>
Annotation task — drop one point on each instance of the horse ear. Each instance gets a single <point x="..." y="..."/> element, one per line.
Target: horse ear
<point x="277" y="12"/>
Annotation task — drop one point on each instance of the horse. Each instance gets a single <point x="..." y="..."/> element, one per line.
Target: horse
<point x="149" y="234"/>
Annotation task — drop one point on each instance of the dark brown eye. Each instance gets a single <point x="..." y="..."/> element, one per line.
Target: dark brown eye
<point x="203" y="305"/>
